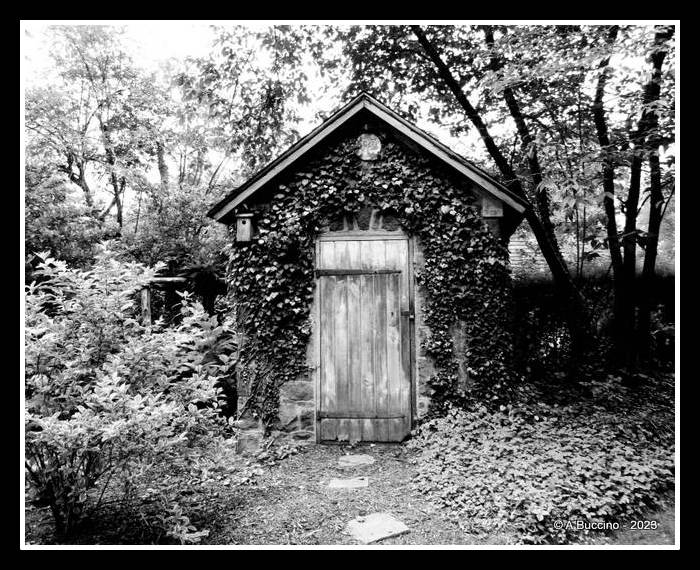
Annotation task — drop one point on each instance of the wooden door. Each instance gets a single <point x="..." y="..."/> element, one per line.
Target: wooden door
<point x="364" y="327"/>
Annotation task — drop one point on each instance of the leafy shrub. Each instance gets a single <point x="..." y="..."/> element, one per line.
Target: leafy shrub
<point x="180" y="527"/>
<point x="523" y="468"/>
<point x="57" y="220"/>
<point x="108" y="399"/>
<point x="173" y="227"/>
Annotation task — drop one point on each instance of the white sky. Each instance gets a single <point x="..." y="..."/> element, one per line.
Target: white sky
<point x="151" y="44"/>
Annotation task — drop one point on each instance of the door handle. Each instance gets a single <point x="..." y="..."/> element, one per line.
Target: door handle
<point x="408" y="314"/>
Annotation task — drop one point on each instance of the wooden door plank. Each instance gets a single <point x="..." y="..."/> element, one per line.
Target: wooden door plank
<point x="368" y="433"/>
<point x="354" y="377"/>
<point x="365" y="255"/>
<point x="393" y="346"/>
<point x="393" y="352"/>
<point x="340" y="344"/>
<point x="329" y="431"/>
<point x="367" y="333"/>
<point x="343" y="429"/>
<point x="354" y="255"/>
<point x="380" y="373"/>
<point x="400" y="428"/>
<point x="378" y="255"/>
<point x="327" y="364"/>
<point x="355" y="426"/>
<point x="327" y="388"/>
<point x="393" y="255"/>
<point x="396" y="429"/>
<point x="326" y="258"/>
<point x="367" y="328"/>
<point x="378" y="261"/>
<point x="342" y="361"/>
<point x="326" y="316"/>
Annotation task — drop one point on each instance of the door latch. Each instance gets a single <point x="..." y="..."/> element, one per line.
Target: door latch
<point x="408" y="314"/>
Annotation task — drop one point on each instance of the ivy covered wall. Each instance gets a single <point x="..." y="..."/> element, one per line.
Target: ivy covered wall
<point x="463" y="286"/>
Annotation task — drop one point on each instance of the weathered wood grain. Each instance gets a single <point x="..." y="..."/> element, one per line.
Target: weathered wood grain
<point x="364" y="346"/>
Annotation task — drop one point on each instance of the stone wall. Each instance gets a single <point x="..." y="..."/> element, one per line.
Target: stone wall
<point x="296" y="418"/>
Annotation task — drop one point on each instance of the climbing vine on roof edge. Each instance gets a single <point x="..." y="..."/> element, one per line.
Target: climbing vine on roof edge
<point x="465" y="277"/>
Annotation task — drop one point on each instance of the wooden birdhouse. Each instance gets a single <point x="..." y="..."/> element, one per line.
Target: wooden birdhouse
<point x="244" y="227"/>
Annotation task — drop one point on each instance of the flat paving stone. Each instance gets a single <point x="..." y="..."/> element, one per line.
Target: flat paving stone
<point x="374" y="527"/>
<point x="355" y="460"/>
<point x="352" y="483"/>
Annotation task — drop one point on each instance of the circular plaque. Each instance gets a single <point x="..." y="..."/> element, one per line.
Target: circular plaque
<point x="369" y="146"/>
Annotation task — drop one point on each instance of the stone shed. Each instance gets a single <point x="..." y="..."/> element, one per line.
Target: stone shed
<point x="367" y="263"/>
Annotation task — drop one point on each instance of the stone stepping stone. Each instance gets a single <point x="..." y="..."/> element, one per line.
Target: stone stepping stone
<point x="374" y="527"/>
<point x="352" y="483"/>
<point x="355" y="460"/>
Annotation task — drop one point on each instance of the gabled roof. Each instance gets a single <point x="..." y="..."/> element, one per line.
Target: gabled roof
<point x="365" y="102"/>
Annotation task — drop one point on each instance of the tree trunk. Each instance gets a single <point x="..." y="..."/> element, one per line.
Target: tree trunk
<point x="530" y="150"/>
<point x="656" y="198"/>
<point x="601" y="126"/>
<point x="541" y="195"/>
<point x="78" y="178"/>
<point x="87" y="193"/>
<point x="119" y="193"/>
<point x="162" y="167"/>
<point x="108" y="209"/>
<point x="117" y="186"/>
<point x="650" y="255"/>
<point x="627" y="316"/>
<point x="633" y="335"/>
<point x="577" y="315"/>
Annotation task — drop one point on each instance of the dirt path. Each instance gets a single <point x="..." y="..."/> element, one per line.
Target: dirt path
<point x="289" y="502"/>
<point x="292" y="504"/>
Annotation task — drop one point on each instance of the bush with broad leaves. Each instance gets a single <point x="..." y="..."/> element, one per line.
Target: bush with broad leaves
<point x="107" y="398"/>
<point x="527" y="468"/>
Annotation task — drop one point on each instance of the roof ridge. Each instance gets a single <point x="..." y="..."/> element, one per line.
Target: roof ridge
<point x="364" y="100"/>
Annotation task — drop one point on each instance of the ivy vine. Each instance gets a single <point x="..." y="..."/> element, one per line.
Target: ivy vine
<point x="465" y="276"/>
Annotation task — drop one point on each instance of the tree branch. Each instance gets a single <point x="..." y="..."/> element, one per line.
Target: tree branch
<point x="577" y="314"/>
<point x="446" y="75"/>
<point x="528" y="145"/>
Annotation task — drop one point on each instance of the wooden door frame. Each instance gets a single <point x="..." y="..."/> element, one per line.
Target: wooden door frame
<point x="366" y="235"/>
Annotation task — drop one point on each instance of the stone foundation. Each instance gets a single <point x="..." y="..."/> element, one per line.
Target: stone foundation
<point x="296" y="411"/>
<point x="250" y="430"/>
